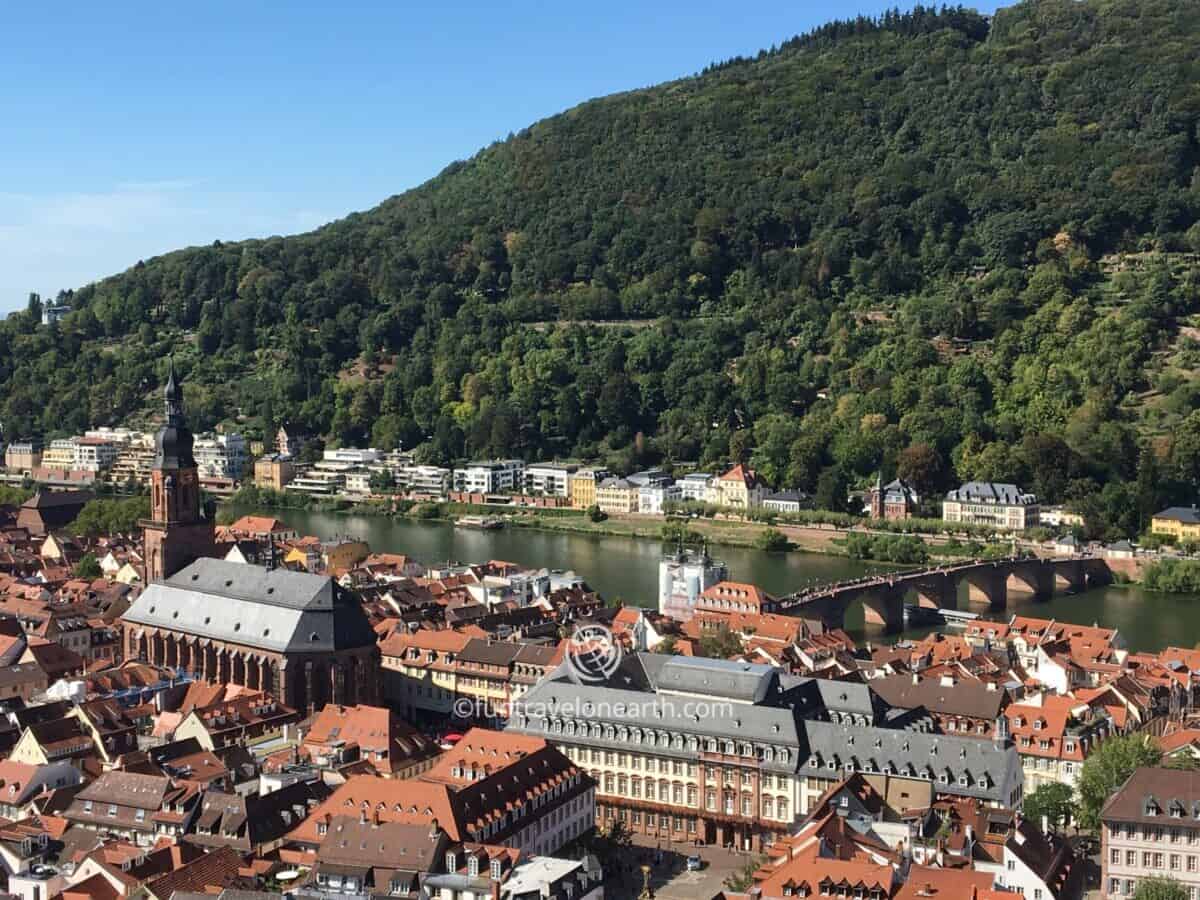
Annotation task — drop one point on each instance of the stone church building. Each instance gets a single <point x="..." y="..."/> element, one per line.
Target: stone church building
<point x="302" y="637"/>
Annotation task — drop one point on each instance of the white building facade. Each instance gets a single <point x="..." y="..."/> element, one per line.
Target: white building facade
<point x="682" y="577"/>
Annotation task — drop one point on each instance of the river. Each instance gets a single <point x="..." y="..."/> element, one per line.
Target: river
<point x="627" y="568"/>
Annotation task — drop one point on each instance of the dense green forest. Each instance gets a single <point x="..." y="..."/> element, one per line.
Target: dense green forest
<point x="930" y="243"/>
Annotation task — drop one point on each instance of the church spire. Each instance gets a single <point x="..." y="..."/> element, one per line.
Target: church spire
<point x="173" y="395"/>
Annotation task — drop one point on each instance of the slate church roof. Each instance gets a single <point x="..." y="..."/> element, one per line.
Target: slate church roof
<point x="269" y="609"/>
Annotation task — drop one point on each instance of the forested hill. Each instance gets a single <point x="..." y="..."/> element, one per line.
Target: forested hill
<point x="884" y="243"/>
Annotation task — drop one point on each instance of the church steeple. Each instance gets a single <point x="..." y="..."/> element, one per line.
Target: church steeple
<point x="173" y="445"/>
<point x="173" y="396"/>
<point x="176" y="532"/>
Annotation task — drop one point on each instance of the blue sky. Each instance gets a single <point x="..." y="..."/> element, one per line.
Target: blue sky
<point x="135" y="128"/>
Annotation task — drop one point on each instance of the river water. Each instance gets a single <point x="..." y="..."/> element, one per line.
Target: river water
<point x="627" y="568"/>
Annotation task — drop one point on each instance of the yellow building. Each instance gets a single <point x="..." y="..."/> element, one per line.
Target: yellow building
<point x="345" y="555"/>
<point x="1181" y="522"/>
<point x="275" y="472"/>
<point x="60" y="454"/>
<point x="617" y="495"/>
<point x="581" y="487"/>
<point x="738" y="488"/>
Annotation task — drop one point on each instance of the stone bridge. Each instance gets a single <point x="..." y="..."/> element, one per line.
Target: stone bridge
<point x="989" y="583"/>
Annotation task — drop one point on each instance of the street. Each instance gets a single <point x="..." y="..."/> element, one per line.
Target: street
<point x="670" y="879"/>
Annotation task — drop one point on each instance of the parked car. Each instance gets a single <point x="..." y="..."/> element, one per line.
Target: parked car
<point x="694" y="863"/>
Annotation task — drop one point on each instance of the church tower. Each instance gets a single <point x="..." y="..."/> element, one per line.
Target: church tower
<point x="177" y="532"/>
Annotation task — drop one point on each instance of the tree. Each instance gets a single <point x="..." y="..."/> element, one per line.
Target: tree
<point x="1159" y="888"/>
<point x="921" y="466"/>
<point x="596" y="514"/>
<point x="678" y="534"/>
<point x="611" y="845"/>
<point x="831" y="490"/>
<point x="772" y="540"/>
<point x="88" y="567"/>
<point x="382" y="482"/>
<point x="721" y="644"/>
<point x="742" y="879"/>
<point x="668" y="646"/>
<point x="105" y="517"/>
<point x="1110" y="764"/>
<point x="1053" y="801"/>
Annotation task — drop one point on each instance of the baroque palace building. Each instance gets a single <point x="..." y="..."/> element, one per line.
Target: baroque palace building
<point x="301" y="637"/>
<point x="735" y="754"/>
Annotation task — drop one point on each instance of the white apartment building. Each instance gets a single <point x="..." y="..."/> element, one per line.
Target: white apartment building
<point x="94" y="454"/>
<point x="121" y="436"/>
<point x="358" y="481"/>
<point x="324" y="482"/>
<point x="682" y="577"/>
<point x="651" y="497"/>
<point x="497" y="476"/>
<point x="352" y="456"/>
<point x="423" y="479"/>
<point x="694" y="486"/>
<point x="991" y="503"/>
<point x="220" y="456"/>
<point x="550" y="479"/>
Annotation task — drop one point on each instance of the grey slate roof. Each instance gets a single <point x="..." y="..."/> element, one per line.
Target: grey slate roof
<point x="721" y="678"/>
<point x="1189" y="515"/>
<point x="913" y="754"/>
<point x="630" y="710"/>
<point x="996" y="492"/>
<point x="269" y="609"/>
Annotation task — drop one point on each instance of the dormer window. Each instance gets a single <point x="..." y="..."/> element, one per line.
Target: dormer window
<point x="451" y="861"/>
<point x="473" y="866"/>
<point x="495" y="870"/>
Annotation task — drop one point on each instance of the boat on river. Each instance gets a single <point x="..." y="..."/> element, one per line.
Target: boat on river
<point x="480" y="523"/>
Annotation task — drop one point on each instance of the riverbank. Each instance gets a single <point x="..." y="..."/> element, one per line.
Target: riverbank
<point x="717" y="532"/>
<point x="824" y="539"/>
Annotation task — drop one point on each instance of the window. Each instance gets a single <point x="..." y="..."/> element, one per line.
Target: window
<point x="112" y="809"/>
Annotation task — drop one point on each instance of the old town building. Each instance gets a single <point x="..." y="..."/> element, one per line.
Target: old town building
<point x="302" y="637"/>
<point x="1151" y="829"/>
<point x="893" y="501"/>
<point x="177" y="531"/>
<point x="991" y="503"/>
<point x="732" y="753"/>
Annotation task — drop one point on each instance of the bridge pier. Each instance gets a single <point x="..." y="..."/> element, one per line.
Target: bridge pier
<point x="1033" y="578"/>
<point x="936" y="592"/>
<point x="987" y="586"/>
<point x="883" y="607"/>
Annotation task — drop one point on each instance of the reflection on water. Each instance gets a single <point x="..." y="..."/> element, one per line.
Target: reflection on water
<point x="627" y="568"/>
